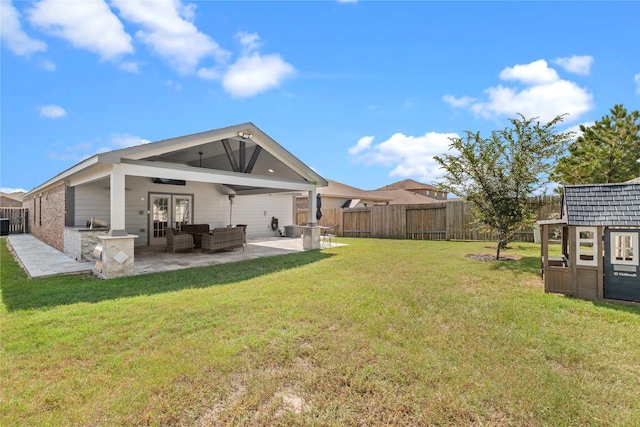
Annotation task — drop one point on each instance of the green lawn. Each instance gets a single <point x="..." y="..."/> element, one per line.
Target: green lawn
<point x="379" y="332"/>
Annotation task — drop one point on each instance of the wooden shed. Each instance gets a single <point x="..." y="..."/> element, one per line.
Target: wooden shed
<point x="598" y="234"/>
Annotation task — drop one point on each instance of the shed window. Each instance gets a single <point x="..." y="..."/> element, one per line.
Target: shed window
<point x="624" y="248"/>
<point x="586" y="246"/>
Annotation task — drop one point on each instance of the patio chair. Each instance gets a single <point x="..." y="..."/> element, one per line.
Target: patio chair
<point x="177" y="241"/>
<point x="328" y="235"/>
<point x="244" y="229"/>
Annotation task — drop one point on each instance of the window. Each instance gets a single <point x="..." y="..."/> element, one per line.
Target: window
<point x="586" y="246"/>
<point x="624" y="248"/>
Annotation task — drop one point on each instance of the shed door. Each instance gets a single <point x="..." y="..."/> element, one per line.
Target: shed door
<point x="621" y="264"/>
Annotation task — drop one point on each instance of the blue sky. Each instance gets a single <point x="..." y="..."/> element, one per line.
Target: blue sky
<point x="366" y="93"/>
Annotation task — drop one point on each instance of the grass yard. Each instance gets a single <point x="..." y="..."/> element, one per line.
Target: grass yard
<point x="379" y="332"/>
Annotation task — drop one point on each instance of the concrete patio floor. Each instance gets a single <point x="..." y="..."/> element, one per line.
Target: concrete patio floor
<point x="40" y="260"/>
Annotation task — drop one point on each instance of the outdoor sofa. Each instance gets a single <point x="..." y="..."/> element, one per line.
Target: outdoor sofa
<point x="221" y="239"/>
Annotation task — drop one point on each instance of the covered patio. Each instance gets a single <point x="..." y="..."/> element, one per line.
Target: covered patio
<point x="139" y="195"/>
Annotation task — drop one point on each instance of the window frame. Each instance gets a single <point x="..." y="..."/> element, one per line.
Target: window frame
<point x="635" y="260"/>
<point x="581" y="250"/>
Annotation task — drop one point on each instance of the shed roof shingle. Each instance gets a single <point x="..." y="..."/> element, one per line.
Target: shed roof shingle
<point x="603" y="204"/>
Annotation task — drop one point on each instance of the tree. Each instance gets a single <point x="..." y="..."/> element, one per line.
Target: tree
<point x="499" y="175"/>
<point x="608" y="151"/>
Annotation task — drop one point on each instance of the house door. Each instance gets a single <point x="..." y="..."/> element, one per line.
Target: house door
<point x="168" y="210"/>
<point x="622" y="264"/>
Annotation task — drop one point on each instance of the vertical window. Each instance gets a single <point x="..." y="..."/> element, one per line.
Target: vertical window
<point x="586" y="246"/>
<point x="624" y="248"/>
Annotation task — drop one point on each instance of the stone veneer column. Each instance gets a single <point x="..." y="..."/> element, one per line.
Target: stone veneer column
<point x="310" y="237"/>
<point x="116" y="259"/>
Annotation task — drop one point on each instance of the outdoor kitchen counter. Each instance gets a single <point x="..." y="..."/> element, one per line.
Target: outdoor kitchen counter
<point x="79" y="242"/>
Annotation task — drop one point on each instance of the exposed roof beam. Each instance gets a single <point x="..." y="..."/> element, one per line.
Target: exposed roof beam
<point x="230" y="155"/>
<point x="243" y="155"/>
<point x="254" y="158"/>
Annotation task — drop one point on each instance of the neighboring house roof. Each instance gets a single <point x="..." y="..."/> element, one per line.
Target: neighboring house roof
<point x="17" y="196"/>
<point x="242" y="157"/>
<point x="403" y="197"/>
<point x="408" y="184"/>
<point x="634" y="181"/>
<point x="343" y="191"/>
<point x="11" y="200"/>
<point x="602" y="204"/>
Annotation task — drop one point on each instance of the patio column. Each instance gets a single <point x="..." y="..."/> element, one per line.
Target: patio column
<point x="312" y="207"/>
<point x="311" y="232"/>
<point x="117" y="204"/>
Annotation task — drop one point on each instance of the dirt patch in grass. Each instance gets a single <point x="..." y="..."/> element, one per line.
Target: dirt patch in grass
<point x="492" y="257"/>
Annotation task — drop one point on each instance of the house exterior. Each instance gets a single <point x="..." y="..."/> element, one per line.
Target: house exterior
<point x="403" y="197"/>
<point x="10" y="200"/>
<point x="233" y="175"/>
<point x="599" y="257"/>
<point x="418" y="188"/>
<point x="338" y="195"/>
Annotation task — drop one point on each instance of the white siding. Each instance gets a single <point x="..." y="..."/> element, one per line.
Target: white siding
<point x="210" y="206"/>
<point x="257" y="211"/>
<point x="92" y="201"/>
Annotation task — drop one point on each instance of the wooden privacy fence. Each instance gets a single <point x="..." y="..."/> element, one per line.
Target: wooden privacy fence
<point x="18" y="219"/>
<point x="450" y="220"/>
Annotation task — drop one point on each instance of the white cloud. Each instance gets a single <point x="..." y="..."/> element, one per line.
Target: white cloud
<point x="84" y="150"/>
<point x="87" y="25"/>
<point x="576" y="64"/>
<point x="52" y="111"/>
<point x="363" y="144"/>
<point x="536" y="72"/>
<point x="256" y="73"/>
<point x="124" y="140"/>
<point x="250" y="42"/>
<point x="636" y="79"/>
<point x="410" y="156"/>
<point x="129" y="67"/>
<point x="168" y="29"/>
<point x="12" y="34"/>
<point x="463" y="101"/>
<point x="48" y="65"/>
<point x="9" y="190"/>
<point x="541" y="94"/>
<point x="576" y="128"/>
<point x="212" y="73"/>
<point x="174" y="85"/>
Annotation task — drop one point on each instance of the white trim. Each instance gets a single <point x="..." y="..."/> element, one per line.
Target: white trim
<point x="188" y="173"/>
<point x="587" y="246"/>
<point x="635" y="257"/>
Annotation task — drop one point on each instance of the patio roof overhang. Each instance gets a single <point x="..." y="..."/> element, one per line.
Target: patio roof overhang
<point x="241" y="157"/>
<point x="238" y="183"/>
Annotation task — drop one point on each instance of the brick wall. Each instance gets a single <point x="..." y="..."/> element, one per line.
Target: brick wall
<point x="47" y="216"/>
<point x="8" y="202"/>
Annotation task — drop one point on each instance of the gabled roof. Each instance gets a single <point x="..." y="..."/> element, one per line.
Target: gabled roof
<point x="239" y="149"/>
<point x="408" y="184"/>
<point x="403" y="197"/>
<point x="602" y="204"/>
<point x="17" y="196"/>
<point x="634" y="181"/>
